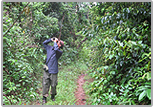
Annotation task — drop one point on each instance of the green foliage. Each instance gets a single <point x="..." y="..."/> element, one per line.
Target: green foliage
<point x="69" y="55"/>
<point x="44" y="26"/>
<point x="22" y="60"/>
<point x="112" y="38"/>
<point x="121" y="59"/>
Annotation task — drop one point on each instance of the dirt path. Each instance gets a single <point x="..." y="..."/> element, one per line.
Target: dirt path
<point x="80" y="94"/>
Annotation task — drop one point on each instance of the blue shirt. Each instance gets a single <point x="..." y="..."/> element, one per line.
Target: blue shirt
<point x="55" y="54"/>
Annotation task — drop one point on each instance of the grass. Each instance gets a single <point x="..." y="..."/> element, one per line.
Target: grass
<point x="86" y="88"/>
<point x="67" y="84"/>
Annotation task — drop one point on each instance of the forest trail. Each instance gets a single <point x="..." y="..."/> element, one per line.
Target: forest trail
<point x="71" y="88"/>
<point x="80" y="94"/>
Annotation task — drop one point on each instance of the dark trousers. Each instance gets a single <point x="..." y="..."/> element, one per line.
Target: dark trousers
<point x="49" y="80"/>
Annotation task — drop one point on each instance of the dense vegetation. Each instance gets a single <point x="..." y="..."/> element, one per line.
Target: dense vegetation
<point x="121" y="58"/>
<point x="112" y="38"/>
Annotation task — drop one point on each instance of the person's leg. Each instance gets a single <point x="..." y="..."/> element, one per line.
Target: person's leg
<point x="53" y="78"/>
<point x="46" y="85"/>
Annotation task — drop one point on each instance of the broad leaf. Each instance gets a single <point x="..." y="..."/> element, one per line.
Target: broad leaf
<point x="149" y="93"/>
<point x="142" y="95"/>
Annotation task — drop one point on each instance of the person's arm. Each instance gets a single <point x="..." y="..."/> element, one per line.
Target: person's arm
<point x="58" y="52"/>
<point x="45" y="43"/>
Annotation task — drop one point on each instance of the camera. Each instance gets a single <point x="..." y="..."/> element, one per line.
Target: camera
<point x="54" y="38"/>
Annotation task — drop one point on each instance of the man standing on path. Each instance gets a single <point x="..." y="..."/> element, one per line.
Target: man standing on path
<point x="50" y="77"/>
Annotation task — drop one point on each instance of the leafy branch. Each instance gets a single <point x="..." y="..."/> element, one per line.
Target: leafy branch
<point x="16" y="19"/>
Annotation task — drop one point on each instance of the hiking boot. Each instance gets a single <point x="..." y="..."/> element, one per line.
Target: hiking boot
<point x="44" y="100"/>
<point x="53" y="97"/>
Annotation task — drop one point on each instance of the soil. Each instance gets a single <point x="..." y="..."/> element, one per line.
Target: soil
<point x="80" y="94"/>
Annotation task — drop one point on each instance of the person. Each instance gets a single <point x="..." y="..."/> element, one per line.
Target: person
<point x="50" y="76"/>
